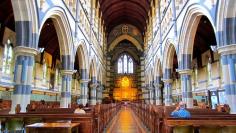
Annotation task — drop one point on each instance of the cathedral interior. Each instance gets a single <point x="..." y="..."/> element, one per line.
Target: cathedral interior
<point x="126" y="64"/>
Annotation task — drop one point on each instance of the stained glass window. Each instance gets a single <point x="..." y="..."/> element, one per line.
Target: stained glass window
<point x="125" y="64"/>
<point x="120" y="66"/>
<point x="131" y="66"/>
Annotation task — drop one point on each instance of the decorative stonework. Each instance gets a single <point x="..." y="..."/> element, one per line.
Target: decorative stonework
<point x="125" y="29"/>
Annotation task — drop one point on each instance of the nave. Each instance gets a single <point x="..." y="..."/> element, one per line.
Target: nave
<point x="126" y="122"/>
<point x="61" y="57"/>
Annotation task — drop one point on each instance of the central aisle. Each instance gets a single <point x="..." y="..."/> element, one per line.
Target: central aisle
<point x="126" y="122"/>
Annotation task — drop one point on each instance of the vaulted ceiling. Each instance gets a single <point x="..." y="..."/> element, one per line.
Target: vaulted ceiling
<point x="117" y="12"/>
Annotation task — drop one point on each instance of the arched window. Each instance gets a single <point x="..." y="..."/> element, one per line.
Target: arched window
<point x="125" y="64"/>
<point x="130" y="66"/>
<point x="7" y="57"/>
<point x="120" y="65"/>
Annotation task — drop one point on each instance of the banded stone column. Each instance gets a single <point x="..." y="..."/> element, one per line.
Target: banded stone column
<point x="151" y="89"/>
<point x="157" y="91"/>
<point x="23" y="73"/>
<point x="168" y="91"/>
<point x="99" y="93"/>
<point x="93" y="93"/>
<point x="228" y="63"/>
<point x="186" y="87"/>
<point x="84" y="86"/>
<point x="84" y="91"/>
<point x="142" y="78"/>
<point x="66" y="88"/>
<point x="146" y="94"/>
<point x="168" y="86"/>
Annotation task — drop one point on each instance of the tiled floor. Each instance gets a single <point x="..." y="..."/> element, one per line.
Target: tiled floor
<point x="126" y="122"/>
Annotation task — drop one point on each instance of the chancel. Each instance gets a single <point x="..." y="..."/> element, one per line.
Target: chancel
<point x="118" y="66"/>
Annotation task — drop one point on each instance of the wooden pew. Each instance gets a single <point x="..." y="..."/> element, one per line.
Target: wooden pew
<point x="92" y="122"/>
<point x="201" y="119"/>
<point x="162" y="122"/>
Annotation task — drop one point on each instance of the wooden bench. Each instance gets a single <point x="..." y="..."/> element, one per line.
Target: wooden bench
<point x="158" y="119"/>
<point x="91" y="122"/>
<point x="199" y="120"/>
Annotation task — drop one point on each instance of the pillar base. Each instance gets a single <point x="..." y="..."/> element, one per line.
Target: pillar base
<point x="65" y="102"/>
<point x="189" y="102"/>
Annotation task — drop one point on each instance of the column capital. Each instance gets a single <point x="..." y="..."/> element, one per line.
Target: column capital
<point x="21" y="50"/>
<point x="94" y="85"/>
<point x="185" y="71"/>
<point x="227" y="49"/>
<point x="157" y="85"/>
<point x="167" y="80"/>
<point x="84" y="80"/>
<point x="67" y="72"/>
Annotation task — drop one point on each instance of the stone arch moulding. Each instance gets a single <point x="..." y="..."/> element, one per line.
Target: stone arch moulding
<point x="63" y="29"/>
<point x="99" y="73"/>
<point x="83" y="57"/>
<point x="123" y="37"/>
<point x="93" y="69"/>
<point x="157" y="68"/>
<point x="188" y="32"/>
<point x="168" y="56"/>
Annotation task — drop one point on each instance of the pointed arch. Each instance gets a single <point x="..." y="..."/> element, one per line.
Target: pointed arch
<point x="99" y="73"/>
<point x="168" y="56"/>
<point x="93" y="68"/>
<point x="157" y="68"/>
<point x="125" y="37"/>
<point x="63" y="29"/>
<point x="188" y="31"/>
<point x="82" y="55"/>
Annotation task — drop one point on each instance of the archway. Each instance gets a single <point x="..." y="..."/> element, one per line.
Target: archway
<point x="81" y="66"/>
<point x="170" y="75"/>
<point x="204" y="58"/>
<point x="158" y="84"/>
<point x="125" y="37"/>
<point x="199" y="54"/>
<point x="93" y="84"/>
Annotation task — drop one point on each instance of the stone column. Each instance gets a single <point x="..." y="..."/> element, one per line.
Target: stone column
<point x="168" y="91"/>
<point x="99" y="93"/>
<point x="84" y="91"/>
<point x="151" y="93"/>
<point x="84" y="86"/>
<point x="23" y="73"/>
<point x="186" y="87"/>
<point x="66" y="88"/>
<point x="228" y="62"/>
<point x="93" y="93"/>
<point x="157" y="89"/>
<point x="146" y="94"/>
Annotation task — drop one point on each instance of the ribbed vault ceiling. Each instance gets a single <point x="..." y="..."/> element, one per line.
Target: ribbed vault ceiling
<point x="117" y="12"/>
